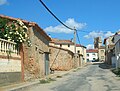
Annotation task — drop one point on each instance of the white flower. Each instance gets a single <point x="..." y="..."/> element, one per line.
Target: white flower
<point x="16" y="28"/>
<point x="5" y="35"/>
<point x="9" y="39"/>
<point x="20" y="35"/>
<point x="10" y="32"/>
<point x="25" y="27"/>
<point x="20" y="40"/>
<point x="26" y="35"/>
<point x="17" y="32"/>
<point x="24" y="40"/>
<point x="20" y="22"/>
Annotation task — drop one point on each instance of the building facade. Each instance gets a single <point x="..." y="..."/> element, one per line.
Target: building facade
<point x="35" y="57"/>
<point x="67" y="44"/>
<point x="92" y="55"/>
<point x="116" y="40"/>
<point x="101" y="49"/>
<point x="109" y="45"/>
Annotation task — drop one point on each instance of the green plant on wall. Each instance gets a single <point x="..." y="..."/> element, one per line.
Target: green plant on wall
<point x="15" y="31"/>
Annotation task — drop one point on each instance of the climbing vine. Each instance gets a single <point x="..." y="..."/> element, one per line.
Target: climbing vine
<point x="15" y="31"/>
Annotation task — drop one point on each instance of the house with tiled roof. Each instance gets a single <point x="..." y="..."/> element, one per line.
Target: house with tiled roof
<point x="92" y="55"/>
<point x="34" y="57"/>
<point x="68" y="44"/>
<point x="109" y="47"/>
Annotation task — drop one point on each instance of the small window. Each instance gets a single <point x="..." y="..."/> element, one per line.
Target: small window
<point x="88" y="55"/>
<point x="60" y="45"/>
<point x="36" y="48"/>
<point x="102" y="50"/>
<point x="102" y="57"/>
<point x="93" y="54"/>
<point x="68" y="45"/>
<point x="78" y="51"/>
<point x="87" y="60"/>
<point x="93" y="58"/>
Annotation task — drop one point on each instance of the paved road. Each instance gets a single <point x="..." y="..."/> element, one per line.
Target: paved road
<point x="95" y="77"/>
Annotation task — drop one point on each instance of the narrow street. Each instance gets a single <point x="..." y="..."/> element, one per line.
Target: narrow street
<point x="96" y="77"/>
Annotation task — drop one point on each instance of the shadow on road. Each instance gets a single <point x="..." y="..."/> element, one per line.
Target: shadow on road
<point x="103" y="65"/>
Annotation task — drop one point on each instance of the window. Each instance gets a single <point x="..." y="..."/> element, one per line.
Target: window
<point x="68" y="45"/>
<point x="36" y="48"/>
<point x="93" y="58"/>
<point x="60" y="45"/>
<point x="102" y="51"/>
<point x="102" y="57"/>
<point x="93" y="54"/>
<point x="87" y="60"/>
<point x="78" y="51"/>
<point x="88" y="55"/>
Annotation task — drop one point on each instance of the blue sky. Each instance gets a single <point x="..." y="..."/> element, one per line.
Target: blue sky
<point x="96" y="17"/>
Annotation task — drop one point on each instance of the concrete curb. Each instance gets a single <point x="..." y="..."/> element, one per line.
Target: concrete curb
<point x="19" y="87"/>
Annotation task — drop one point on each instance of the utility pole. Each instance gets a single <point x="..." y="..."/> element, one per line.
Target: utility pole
<point x="75" y="48"/>
<point x="74" y="40"/>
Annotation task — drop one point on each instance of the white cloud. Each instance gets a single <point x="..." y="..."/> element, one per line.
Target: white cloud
<point x="61" y="29"/>
<point x="2" y="2"/>
<point x="108" y="34"/>
<point x="94" y="34"/>
<point x="90" y="46"/>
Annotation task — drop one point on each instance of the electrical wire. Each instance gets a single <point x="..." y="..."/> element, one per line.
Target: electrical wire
<point x="63" y="23"/>
<point x="55" y="16"/>
<point x="78" y="37"/>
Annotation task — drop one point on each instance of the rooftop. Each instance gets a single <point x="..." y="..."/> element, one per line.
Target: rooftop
<point x="58" y="41"/>
<point x="92" y="51"/>
<point x="40" y="30"/>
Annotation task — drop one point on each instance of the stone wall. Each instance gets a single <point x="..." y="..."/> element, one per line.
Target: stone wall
<point x="34" y="56"/>
<point x="61" y="59"/>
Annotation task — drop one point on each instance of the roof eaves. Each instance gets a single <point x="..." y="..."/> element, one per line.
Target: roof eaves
<point x="29" y="24"/>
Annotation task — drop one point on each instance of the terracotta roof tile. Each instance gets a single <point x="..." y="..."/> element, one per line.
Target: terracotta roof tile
<point x="92" y="51"/>
<point x="79" y="45"/>
<point x="41" y="31"/>
<point x="57" y="41"/>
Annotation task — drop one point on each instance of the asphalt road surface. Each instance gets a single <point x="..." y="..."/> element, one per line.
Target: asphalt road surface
<point x="96" y="77"/>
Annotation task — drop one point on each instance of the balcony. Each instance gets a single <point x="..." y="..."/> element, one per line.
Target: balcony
<point x="8" y="48"/>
